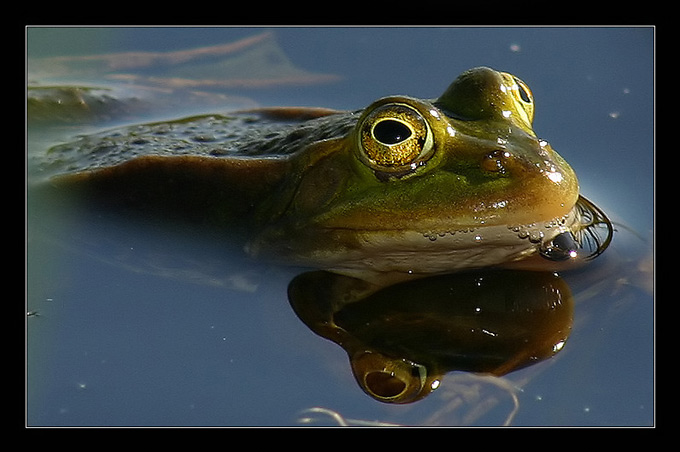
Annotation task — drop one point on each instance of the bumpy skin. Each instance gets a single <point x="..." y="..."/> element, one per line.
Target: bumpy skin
<point x="405" y="186"/>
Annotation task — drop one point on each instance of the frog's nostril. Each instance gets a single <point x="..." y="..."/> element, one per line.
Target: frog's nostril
<point x="495" y="162"/>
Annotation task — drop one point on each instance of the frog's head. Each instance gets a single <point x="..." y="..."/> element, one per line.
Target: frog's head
<point x="427" y="186"/>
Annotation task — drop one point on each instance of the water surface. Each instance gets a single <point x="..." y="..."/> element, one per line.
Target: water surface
<point x="194" y="335"/>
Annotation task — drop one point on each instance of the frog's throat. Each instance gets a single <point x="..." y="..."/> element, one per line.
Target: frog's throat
<point x="434" y="251"/>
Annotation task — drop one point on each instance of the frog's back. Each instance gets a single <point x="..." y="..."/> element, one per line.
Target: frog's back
<point x="265" y="133"/>
<point x="210" y="169"/>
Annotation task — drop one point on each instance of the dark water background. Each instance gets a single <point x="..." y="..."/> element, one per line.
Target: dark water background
<point x="216" y="343"/>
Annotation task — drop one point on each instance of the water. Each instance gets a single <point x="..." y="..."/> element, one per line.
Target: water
<point x="190" y="337"/>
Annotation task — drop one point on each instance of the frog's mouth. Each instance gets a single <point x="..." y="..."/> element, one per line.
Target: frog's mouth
<point x="584" y="233"/>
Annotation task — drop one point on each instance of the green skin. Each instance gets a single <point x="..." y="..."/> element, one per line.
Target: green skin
<point x="488" y="171"/>
<point x="479" y="190"/>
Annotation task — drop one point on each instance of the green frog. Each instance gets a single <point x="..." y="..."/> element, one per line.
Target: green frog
<point x="404" y="187"/>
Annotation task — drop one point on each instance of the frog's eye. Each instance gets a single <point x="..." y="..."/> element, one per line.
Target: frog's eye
<point x="391" y="380"/>
<point x="524" y="98"/>
<point x="523" y="91"/>
<point x="394" y="138"/>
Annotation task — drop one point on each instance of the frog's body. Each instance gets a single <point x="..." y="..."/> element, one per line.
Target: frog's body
<point x="405" y="186"/>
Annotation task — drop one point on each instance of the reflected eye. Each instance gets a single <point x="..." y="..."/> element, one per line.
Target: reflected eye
<point x="394" y="138"/>
<point x="391" y="380"/>
<point x="385" y="385"/>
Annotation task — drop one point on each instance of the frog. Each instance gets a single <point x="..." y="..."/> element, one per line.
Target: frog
<point x="404" y="187"/>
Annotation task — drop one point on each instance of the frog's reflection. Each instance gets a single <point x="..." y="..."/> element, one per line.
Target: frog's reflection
<point x="403" y="338"/>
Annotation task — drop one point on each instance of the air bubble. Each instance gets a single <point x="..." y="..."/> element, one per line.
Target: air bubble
<point x="560" y="248"/>
<point x="536" y="236"/>
<point x="430" y="235"/>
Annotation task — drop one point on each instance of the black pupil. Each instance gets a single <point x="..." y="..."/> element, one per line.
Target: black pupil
<point x="391" y="132"/>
